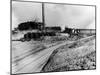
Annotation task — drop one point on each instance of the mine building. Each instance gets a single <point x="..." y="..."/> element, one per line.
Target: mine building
<point x="30" y="26"/>
<point x="53" y="29"/>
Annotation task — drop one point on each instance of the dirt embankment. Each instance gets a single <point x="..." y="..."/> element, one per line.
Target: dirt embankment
<point x="78" y="55"/>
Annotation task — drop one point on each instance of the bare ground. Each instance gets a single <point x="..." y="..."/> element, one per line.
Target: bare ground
<point x="79" y="55"/>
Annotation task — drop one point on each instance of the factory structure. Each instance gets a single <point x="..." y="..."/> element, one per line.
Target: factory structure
<point x="39" y="29"/>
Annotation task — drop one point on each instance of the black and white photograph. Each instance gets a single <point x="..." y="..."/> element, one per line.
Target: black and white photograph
<point x="52" y="37"/>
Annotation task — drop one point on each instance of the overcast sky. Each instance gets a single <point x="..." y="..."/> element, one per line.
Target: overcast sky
<point x="73" y="16"/>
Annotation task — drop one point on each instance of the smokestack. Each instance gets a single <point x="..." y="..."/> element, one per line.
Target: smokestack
<point x="43" y="17"/>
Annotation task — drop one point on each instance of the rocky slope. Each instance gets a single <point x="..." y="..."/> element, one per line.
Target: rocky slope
<point x="78" y="55"/>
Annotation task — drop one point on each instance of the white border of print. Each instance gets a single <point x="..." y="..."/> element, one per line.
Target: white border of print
<point x="5" y="37"/>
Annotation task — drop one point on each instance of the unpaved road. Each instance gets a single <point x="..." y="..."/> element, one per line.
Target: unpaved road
<point x="30" y="60"/>
<point x="33" y="62"/>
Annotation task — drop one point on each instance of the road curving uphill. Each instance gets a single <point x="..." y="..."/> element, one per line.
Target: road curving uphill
<point x="78" y="55"/>
<point x="36" y="58"/>
<point x="33" y="60"/>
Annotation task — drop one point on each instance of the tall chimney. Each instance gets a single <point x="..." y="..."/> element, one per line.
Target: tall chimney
<point x="43" y="17"/>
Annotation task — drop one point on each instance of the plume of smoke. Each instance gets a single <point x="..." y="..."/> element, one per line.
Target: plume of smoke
<point x="14" y="21"/>
<point x="25" y="11"/>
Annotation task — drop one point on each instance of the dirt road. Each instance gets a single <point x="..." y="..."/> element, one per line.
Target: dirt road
<point x="31" y="58"/>
<point x="33" y="62"/>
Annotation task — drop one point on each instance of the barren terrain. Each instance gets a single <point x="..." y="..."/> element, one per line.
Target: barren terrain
<point x="54" y="54"/>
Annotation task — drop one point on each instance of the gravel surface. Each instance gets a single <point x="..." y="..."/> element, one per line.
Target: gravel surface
<point x="78" y="55"/>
